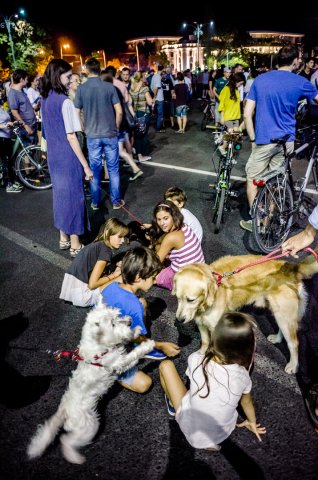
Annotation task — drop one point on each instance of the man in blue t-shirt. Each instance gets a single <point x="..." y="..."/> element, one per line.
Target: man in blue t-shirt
<point x="271" y="106"/>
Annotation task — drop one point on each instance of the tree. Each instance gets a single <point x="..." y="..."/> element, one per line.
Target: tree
<point x="31" y="46"/>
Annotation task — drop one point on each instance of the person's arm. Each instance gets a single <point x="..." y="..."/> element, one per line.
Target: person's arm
<point x="173" y="240"/>
<point x="150" y="101"/>
<point x="96" y="280"/>
<point x="168" y="348"/>
<point x="248" y="408"/>
<point x="118" y="114"/>
<point x="18" y="117"/>
<point x="216" y="94"/>
<point x="75" y="146"/>
<point x="248" y="118"/>
<point x="300" y="241"/>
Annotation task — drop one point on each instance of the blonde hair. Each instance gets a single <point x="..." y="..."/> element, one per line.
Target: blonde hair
<point x="113" y="226"/>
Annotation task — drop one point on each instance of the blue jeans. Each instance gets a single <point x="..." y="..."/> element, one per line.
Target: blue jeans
<point x="160" y="106"/>
<point x="109" y="147"/>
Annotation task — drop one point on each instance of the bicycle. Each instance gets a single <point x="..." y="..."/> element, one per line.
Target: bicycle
<point x="208" y="115"/>
<point x="223" y="179"/>
<point x="280" y="197"/>
<point x="30" y="162"/>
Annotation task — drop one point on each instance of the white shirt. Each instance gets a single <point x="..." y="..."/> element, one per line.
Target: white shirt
<point x="313" y="219"/>
<point x="206" y="422"/>
<point x="192" y="222"/>
<point x="71" y="119"/>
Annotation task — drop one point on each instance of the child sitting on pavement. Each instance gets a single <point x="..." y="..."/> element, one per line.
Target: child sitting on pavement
<point x="87" y="272"/>
<point x="179" y="198"/>
<point x="219" y="380"/>
<point x="139" y="269"/>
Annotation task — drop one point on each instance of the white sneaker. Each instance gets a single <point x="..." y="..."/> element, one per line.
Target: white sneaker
<point x="13" y="189"/>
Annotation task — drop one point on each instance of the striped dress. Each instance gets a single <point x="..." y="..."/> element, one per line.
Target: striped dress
<point x="191" y="252"/>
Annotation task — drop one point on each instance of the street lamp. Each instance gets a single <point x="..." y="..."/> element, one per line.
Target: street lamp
<point x="65" y="46"/>
<point x="7" y="23"/>
<point x="198" y="31"/>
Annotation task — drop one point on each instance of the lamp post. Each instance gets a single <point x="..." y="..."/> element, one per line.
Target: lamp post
<point x="198" y="31"/>
<point x="7" y="23"/>
<point x="65" y="46"/>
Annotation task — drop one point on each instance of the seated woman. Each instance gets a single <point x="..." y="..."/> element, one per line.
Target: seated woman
<point x="173" y="241"/>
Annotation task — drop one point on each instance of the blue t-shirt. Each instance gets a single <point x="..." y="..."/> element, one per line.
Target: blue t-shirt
<point x="276" y="95"/>
<point x="127" y="302"/>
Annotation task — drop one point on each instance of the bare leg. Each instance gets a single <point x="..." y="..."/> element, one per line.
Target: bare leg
<point x="75" y="241"/>
<point x="64" y="237"/>
<point x="171" y="383"/>
<point x="184" y="122"/>
<point x="251" y="191"/>
<point x="179" y="120"/>
<point x="140" y="384"/>
<point x="128" y="158"/>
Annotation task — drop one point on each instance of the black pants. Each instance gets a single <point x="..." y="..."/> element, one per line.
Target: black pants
<point x="7" y="161"/>
<point x="307" y="374"/>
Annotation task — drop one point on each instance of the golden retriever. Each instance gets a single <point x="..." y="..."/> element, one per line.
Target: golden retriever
<point x="275" y="284"/>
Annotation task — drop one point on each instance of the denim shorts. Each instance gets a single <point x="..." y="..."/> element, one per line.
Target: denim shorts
<point x="182" y="111"/>
<point x="128" y="376"/>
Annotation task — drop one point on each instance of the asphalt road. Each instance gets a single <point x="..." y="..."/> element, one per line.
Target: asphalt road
<point x="137" y="438"/>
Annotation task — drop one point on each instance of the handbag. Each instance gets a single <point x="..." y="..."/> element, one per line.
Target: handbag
<point x="140" y="125"/>
<point x="129" y="119"/>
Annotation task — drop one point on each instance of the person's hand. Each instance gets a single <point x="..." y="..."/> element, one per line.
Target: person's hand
<point x="299" y="241"/>
<point x="145" y="226"/>
<point x="253" y="427"/>
<point x="168" y="348"/>
<point x="28" y="129"/>
<point x="88" y="173"/>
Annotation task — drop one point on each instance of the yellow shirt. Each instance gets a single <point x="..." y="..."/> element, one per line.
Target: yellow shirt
<point x="231" y="108"/>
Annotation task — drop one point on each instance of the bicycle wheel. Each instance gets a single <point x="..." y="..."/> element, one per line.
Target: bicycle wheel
<point x="219" y="208"/>
<point x="204" y="122"/>
<point x="272" y="214"/>
<point x="32" y="169"/>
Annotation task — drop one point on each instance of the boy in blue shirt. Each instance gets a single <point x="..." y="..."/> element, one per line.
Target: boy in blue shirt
<point x="139" y="269"/>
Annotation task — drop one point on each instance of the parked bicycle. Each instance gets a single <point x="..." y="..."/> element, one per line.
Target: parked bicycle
<point x="223" y="180"/>
<point x="30" y="163"/>
<point x="281" y="198"/>
<point x="208" y="119"/>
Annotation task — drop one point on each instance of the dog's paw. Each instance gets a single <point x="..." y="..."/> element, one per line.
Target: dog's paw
<point x="291" y="368"/>
<point x="275" y="338"/>
<point x="137" y="331"/>
<point x="146" y="347"/>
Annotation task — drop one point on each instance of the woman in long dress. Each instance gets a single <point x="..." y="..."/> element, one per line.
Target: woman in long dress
<point x="67" y="164"/>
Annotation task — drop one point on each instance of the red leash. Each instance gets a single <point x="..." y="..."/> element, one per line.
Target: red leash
<point x="266" y="258"/>
<point x="74" y="356"/>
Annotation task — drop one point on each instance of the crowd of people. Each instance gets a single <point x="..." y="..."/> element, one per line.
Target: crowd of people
<point x="83" y="123"/>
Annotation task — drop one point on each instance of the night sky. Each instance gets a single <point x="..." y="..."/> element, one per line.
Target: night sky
<point x="95" y="27"/>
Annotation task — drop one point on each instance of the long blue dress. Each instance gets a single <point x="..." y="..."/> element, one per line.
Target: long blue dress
<point x="67" y="174"/>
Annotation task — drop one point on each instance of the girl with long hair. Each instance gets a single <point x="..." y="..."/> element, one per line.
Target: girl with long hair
<point x="219" y="381"/>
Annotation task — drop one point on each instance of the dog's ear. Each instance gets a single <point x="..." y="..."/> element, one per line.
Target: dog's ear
<point x="210" y="292"/>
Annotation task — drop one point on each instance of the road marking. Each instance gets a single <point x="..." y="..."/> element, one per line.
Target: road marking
<point x="27" y="244"/>
<point x="209" y="174"/>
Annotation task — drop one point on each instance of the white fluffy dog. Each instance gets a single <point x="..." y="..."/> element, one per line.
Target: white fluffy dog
<point x="103" y="336"/>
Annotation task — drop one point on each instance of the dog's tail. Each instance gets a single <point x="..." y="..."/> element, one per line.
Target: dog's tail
<point x="45" y="435"/>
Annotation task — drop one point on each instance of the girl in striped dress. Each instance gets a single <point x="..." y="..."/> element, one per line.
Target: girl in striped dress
<point x="175" y="244"/>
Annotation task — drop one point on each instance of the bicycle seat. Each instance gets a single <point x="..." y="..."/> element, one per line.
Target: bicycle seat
<point x="282" y="140"/>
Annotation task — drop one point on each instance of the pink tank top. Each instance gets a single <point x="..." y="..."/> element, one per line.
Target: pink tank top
<point x="191" y="252"/>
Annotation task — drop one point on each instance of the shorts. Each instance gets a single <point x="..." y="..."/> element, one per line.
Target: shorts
<point x="182" y="111"/>
<point x="232" y="123"/>
<point x="122" y="136"/>
<point x="128" y="376"/>
<point x="265" y="158"/>
<point x="165" y="278"/>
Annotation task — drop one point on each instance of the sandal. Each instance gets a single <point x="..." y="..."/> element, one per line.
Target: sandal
<point x="75" y="251"/>
<point x="65" y="244"/>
